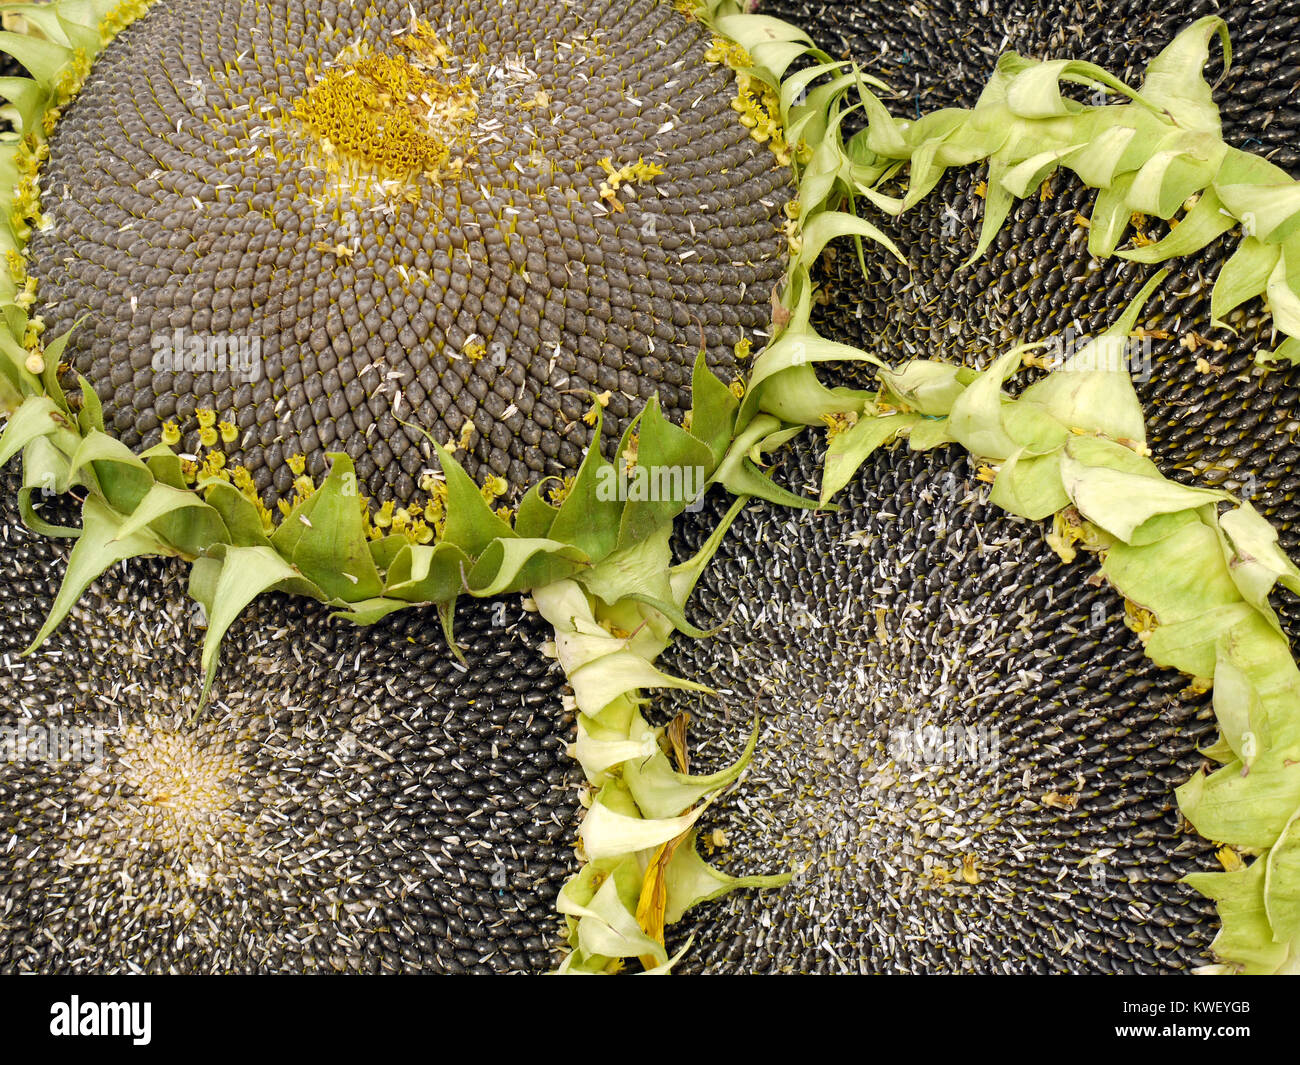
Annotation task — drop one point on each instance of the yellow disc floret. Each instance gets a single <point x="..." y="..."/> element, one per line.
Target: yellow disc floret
<point x="392" y="114"/>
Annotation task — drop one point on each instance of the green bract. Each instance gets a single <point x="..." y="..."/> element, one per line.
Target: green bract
<point x="1159" y="152"/>
<point x="1072" y="446"/>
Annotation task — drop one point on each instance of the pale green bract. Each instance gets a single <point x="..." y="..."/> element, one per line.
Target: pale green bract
<point x="1158" y="152"/>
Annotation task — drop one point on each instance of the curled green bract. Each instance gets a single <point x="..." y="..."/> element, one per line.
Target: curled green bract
<point x="638" y="835"/>
<point x="1158" y="151"/>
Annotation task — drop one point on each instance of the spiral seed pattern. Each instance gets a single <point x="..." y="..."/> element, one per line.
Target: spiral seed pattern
<point x="196" y="197"/>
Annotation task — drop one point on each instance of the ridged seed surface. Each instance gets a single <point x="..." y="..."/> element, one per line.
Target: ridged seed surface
<point x="185" y="197"/>
<point x="351" y="800"/>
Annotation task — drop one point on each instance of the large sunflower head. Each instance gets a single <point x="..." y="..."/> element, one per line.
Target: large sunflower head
<point x="282" y="230"/>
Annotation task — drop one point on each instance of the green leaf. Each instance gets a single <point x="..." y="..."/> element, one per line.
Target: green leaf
<point x="1203" y="224"/>
<point x="713" y="411"/>
<point x="926" y="385"/>
<point x="930" y="159"/>
<point x="1178" y="578"/>
<point x="165" y="465"/>
<point x="1244" y="276"/>
<point x="798" y="84"/>
<point x="1027" y="175"/>
<point x="684" y="576"/>
<point x="604" y="916"/>
<point x="601" y="747"/>
<point x="793" y="393"/>
<point x="91" y="415"/>
<point x="1119" y="490"/>
<point x="160" y="508"/>
<point x="54" y="22"/>
<point x="605" y="678"/>
<point x="640" y="566"/>
<point x="1283" y="299"/>
<point x="517" y="565"/>
<point x="1245" y="937"/>
<point x="691" y="880"/>
<point x="28" y="97"/>
<point x="471" y="522"/>
<point x="750" y="31"/>
<point x="240" y="517"/>
<point x="96" y="550"/>
<point x="662" y="792"/>
<point x="608" y="834"/>
<point x="998" y="200"/>
<point x="588" y="519"/>
<point x="45" y="470"/>
<point x="118" y="473"/>
<point x="205" y="572"/>
<point x="990" y="425"/>
<point x="534" y="515"/>
<point x="370" y="611"/>
<point x="671" y="468"/>
<point x="884" y="134"/>
<point x="1092" y="389"/>
<point x="421" y="573"/>
<point x="1110" y="219"/>
<point x="38" y="416"/>
<point x="1288" y="351"/>
<point x="1098" y="161"/>
<point x="1245" y="809"/>
<point x="1174" y="80"/>
<point x="386" y="549"/>
<point x="246" y="572"/>
<point x="810" y="121"/>
<point x="826" y="226"/>
<point x="1169" y="176"/>
<point x="798" y="397"/>
<point x="930" y="433"/>
<point x="1262" y="656"/>
<point x="1269" y="213"/>
<point x="1238" y="708"/>
<point x="43" y="58"/>
<point x="1255" y="561"/>
<point x="324" y="537"/>
<point x="1161" y="526"/>
<point x="1189" y="646"/>
<point x="1282" y="883"/>
<point x="16" y="381"/>
<point x="773" y="58"/>
<point x="1032" y="428"/>
<point x="1030" y="486"/>
<point x="849" y="449"/>
<point x="742" y="478"/>
<point x="1035" y="91"/>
